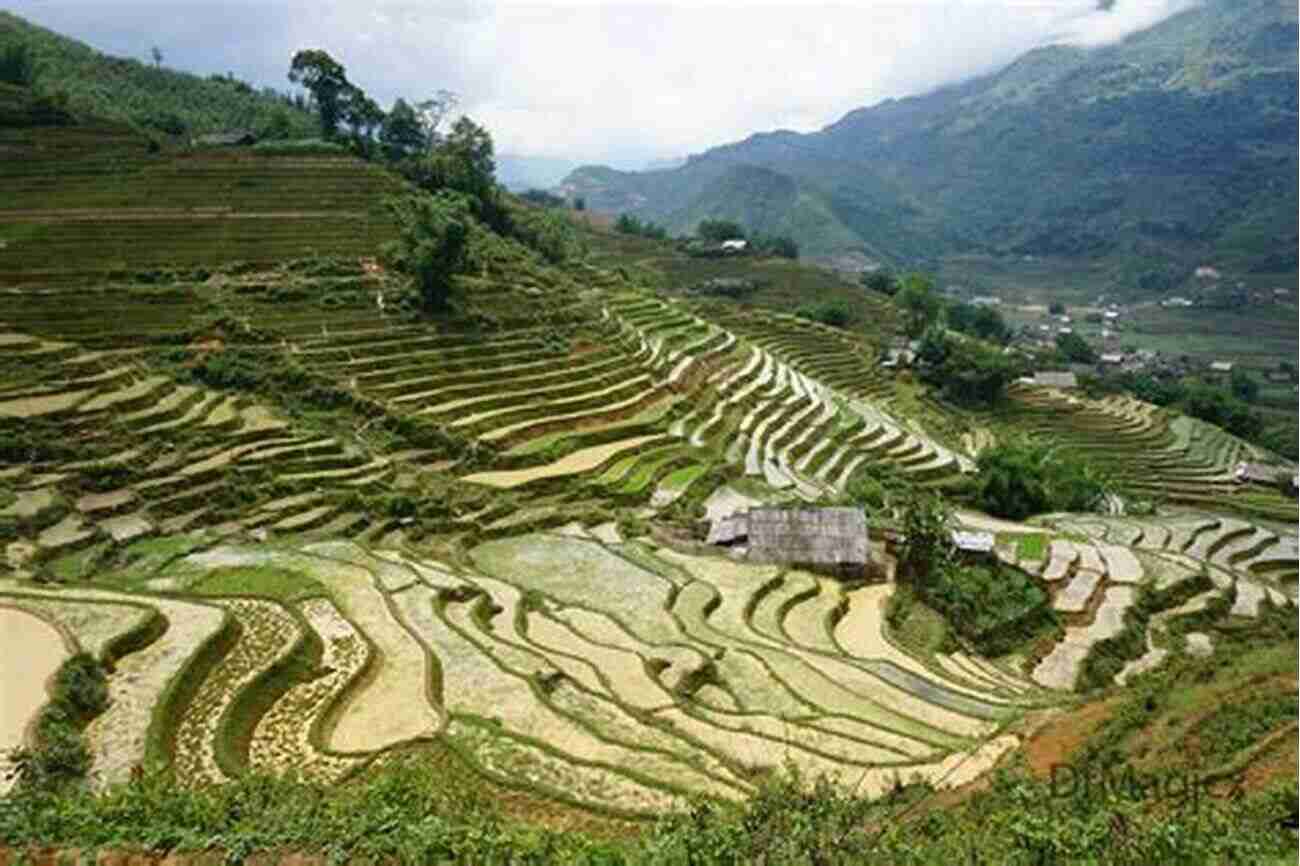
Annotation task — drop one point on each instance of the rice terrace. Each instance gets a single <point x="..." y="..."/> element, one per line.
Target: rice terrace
<point x="450" y="524"/>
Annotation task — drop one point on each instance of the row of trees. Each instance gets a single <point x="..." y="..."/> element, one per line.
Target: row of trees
<point x="404" y="130"/>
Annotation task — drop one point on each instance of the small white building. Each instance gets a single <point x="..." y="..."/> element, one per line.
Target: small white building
<point x="972" y="542"/>
<point x="1205" y="272"/>
<point x="735" y="245"/>
<point x="1221" y="367"/>
<point x="1112" y="358"/>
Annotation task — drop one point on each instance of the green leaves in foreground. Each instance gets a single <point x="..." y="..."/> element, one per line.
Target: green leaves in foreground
<point x="414" y="813"/>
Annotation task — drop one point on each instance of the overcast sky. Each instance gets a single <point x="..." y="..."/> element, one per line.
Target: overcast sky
<point x="613" y="82"/>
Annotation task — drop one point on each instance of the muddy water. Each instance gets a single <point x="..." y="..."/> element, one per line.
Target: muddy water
<point x="30" y="651"/>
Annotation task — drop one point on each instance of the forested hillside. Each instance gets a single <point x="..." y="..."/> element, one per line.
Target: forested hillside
<point x="86" y="82"/>
<point x="1175" y="146"/>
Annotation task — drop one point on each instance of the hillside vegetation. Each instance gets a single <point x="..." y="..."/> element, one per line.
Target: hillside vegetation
<point x="165" y="101"/>
<point x="1174" y="147"/>
<point x="370" y="502"/>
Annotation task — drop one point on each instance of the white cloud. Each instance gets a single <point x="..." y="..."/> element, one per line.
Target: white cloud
<point x="611" y="81"/>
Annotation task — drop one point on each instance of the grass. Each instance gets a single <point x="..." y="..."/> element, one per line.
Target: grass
<point x="1031" y="547"/>
<point x="264" y="581"/>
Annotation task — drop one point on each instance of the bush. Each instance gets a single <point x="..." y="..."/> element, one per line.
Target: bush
<point x="1017" y="479"/>
<point x="965" y="372"/>
<point x="1075" y="349"/>
<point x="433" y="234"/>
<point x="720" y="230"/>
<point x="834" y="313"/>
<point x="992" y="606"/>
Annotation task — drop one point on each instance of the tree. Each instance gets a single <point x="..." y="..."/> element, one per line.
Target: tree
<point x="327" y="81"/>
<point x="402" y="133"/>
<point x="833" y="313"/>
<point x="1017" y="479"/>
<point x="579" y="204"/>
<point x="921" y="304"/>
<point x="278" y="128"/>
<point x="1244" y="386"/>
<point x="17" y="66"/>
<point x="1075" y="349"/>
<point x="926" y="528"/>
<point x="719" y="230"/>
<point x="432" y="112"/>
<point x="432" y="234"/>
<point x="966" y="372"/>
<point x="880" y="280"/>
<point x="157" y="55"/>
<point x="1056" y="308"/>
<point x="361" y="113"/>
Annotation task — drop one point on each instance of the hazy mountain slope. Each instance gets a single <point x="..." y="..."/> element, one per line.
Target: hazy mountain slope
<point x="129" y="91"/>
<point x="1176" y="144"/>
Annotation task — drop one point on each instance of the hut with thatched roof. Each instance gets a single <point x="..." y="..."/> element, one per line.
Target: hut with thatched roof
<point x="828" y="539"/>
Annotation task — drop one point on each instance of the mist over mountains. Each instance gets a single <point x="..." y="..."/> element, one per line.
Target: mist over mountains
<point x="1173" y="146"/>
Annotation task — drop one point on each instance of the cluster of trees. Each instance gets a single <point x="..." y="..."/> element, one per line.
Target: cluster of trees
<point x="1075" y="349"/>
<point x="834" y="313"/>
<point x="630" y="225"/>
<point x="65" y="76"/>
<point x="717" y="231"/>
<point x="404" y="130"/>
<point x="17" y="66"/>
<point x="966" y="372"/>
<point x="1017" y="479"/>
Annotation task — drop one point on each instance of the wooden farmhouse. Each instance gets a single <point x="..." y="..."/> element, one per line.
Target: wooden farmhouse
<point x="821" y="539"/>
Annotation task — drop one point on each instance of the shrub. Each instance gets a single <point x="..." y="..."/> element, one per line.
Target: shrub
<point x="1016" y="479"/>
<point x="833" y="313"/>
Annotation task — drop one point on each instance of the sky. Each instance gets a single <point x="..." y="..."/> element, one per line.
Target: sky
<point x="619" y="83"/>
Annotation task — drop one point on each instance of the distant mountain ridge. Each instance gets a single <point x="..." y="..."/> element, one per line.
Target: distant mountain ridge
<point x="1176" y="145"/>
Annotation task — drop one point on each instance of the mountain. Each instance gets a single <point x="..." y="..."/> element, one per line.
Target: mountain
<point x="519" y="173"/>
<point x="1175" y="146"/>
<point x="93" y="84"/>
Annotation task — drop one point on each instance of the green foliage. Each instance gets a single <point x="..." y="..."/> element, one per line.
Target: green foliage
<point x="719" y="230"/>
<point x="548" y="232"/>
<point x="880" y="280"/>
<point x="775" y="245"/>
<point x="1244" y="386"/>
<point x="17" y="65"/>
<point x="834" y="313"/>
<point x="72" y="77"/>
<point x="542" y="198"/>
<point x="78" y="693"/>
<point x="920" y="303"/>
<point x="1075" y="349"/>
<point x="299" y="147"/>
<point x="1217" y="406"/>
<point x="1019" y="478"/>
<point x="261" y="580"/>
<point x="630" y="225"/>
<point x="926" y="528"/>
<point x="327" y="80"/>
<point x="980" y="321"/>
<point x="1056" y="308"/>
<point x="993" y="607"/>
<point x="967" y="373"/>
<point x="432" y="235"/>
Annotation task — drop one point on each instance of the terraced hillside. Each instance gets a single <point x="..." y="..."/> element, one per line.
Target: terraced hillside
<point x="88" y="198"/>
<point x="308" y="528"/>
<point x="1150" y="451"/>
